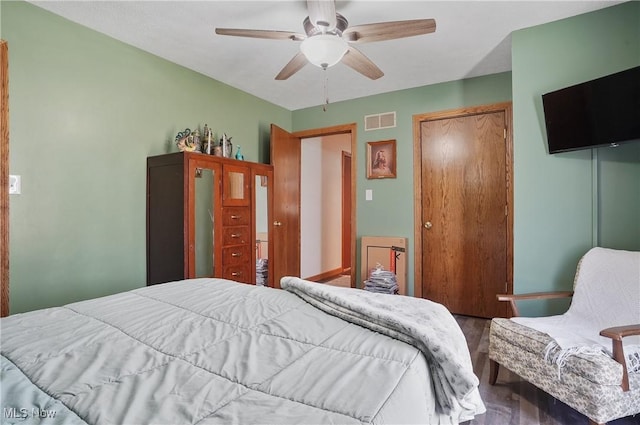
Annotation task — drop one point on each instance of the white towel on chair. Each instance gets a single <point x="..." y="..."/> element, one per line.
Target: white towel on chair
<point x="607" y="294"/>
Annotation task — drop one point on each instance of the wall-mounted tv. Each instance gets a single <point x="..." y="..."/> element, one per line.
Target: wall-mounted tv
<point x="600" y="112"/>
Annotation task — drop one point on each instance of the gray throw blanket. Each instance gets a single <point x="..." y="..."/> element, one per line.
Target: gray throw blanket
<point x="424" y="324"/>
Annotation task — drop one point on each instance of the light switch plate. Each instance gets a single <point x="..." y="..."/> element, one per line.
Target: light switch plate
<point x="368" y="195"/>
<point x="14" y="185"/>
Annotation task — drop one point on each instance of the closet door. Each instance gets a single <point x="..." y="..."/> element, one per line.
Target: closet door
<point x="465" y="210"/>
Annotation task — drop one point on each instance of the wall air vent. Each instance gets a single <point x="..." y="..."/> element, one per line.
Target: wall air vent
<point x="380" y="121"/>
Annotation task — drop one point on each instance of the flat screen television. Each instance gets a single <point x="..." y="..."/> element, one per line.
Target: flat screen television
<point x="600" y="112"/>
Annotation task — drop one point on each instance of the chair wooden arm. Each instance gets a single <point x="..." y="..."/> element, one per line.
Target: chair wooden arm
<point x="616" y="334"/>
<point x="512" y="298"/>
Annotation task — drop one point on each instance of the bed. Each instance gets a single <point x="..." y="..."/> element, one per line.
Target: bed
<point x="211" y="351"/>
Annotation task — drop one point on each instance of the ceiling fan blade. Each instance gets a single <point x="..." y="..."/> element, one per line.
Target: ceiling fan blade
<point x="322" y="13"/>
<point x="292" y="67"/>
<point x="268" y="34"/>
<point x="389" y="30"/>
<point x="355" y="59"/>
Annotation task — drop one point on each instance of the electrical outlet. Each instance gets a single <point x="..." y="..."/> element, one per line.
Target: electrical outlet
<point x="14" y="185"/>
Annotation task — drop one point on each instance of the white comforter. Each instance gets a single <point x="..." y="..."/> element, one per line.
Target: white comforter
<point x="209" y="351"/>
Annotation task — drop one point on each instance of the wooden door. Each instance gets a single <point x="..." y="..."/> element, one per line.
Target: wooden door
<point x="285" y="158"/>
<point x="464" y="212"/>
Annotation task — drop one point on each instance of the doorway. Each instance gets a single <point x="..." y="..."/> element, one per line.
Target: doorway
<point x="463" y="229"/>
<point x="286" y="157"/>
<point x="321" y="208"/>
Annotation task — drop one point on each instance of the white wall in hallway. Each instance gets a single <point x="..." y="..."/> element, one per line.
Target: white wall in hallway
<point x="321" y="204"/>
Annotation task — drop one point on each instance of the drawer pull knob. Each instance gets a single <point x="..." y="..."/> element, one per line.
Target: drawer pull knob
<point x="236" y="254"/>
<point x="235" y="217"/>
<point x="235" y="235"/>
<point x="236" y="274"/>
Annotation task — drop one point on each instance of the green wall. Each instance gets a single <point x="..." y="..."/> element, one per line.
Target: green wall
<point x="567" y="203"/>
<point x="390" y="213"/>
<point x="85" y="112"/>
<point x="564" y="203"/>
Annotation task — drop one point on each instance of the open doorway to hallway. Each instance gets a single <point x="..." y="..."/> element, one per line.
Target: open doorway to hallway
<point x="286" y="158"/>
<point x="325" y="210"/>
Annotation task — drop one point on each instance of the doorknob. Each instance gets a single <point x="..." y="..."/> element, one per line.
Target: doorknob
<point x="277" y="223"/>
<point x="428" y="225"/>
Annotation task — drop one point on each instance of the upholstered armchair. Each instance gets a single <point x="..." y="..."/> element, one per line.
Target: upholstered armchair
<point x="589" y="357"/>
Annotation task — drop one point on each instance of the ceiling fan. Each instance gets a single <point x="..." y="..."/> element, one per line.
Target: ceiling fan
<point x="329" y="39"/>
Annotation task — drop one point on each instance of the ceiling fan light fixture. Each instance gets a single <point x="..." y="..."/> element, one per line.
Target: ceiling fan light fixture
<point x="324" y="50"/>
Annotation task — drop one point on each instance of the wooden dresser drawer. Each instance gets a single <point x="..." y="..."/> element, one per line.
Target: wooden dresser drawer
<point x="236" y="235"/>
<point x="239" y="273"/>
<point x="236" y="216"/>
<point x="234" y="255"/>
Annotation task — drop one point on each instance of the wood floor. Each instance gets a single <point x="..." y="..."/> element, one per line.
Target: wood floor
<point x="513" y="401"/>
<point x="342" y="280"/>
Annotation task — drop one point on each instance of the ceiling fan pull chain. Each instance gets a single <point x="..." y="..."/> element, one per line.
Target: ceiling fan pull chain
<point x="326" y="90"/>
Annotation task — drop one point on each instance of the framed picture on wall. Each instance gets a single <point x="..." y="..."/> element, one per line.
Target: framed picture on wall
<point x="381" y="159"/>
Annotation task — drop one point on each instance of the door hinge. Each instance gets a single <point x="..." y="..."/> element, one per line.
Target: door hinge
<point x="504" y="133"/>
<point x="506" y="210"/>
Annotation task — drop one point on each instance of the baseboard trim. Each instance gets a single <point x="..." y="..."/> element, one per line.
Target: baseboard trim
<point x="325" y="275"/>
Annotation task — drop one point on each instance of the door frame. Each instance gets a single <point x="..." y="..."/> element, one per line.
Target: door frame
<point x="350" y="129"/>
<point x="346" y="206"/>
<point x="505" y="107"/>
<point x="4" y="179"/>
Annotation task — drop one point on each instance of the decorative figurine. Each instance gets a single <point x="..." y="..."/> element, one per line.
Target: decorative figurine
<point x="184" y="141"/>
<point x="226" y="145"/>
<point x="195" y="140"/>
<point x="207" y="146"/>
<point x="239" y="155"/>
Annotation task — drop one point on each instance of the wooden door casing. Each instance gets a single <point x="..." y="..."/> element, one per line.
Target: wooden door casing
<point x="346" y="212"/>
<point x="4" y="179"/>
<point x="463" y="254"/>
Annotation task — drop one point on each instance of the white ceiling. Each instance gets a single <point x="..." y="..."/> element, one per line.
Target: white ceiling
<point x="472" y="38"/>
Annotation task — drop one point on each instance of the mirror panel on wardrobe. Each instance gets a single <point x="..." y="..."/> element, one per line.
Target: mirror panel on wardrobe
<point x="261" y="203"/>
<point x="204" y="222"/>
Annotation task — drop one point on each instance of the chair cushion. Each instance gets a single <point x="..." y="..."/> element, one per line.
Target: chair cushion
<point x="599" y="369"/>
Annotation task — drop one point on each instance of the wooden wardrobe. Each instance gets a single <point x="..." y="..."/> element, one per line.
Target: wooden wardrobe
<point x="207" y="216"/>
